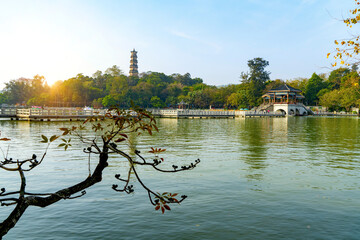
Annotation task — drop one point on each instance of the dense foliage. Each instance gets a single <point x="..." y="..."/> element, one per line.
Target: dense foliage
<point x="256" y="79"/>
<point x="150" y="89"/>
<point x="338" y="90"/>
<point x="107" y="89"/>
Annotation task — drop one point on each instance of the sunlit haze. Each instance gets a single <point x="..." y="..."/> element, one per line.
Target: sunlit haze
<point x="212" y="40"/>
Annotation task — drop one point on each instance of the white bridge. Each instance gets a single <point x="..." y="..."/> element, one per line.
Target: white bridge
<point x="297" y="109"/>
<point x="47" y="114"/>
<point x="189" y="113"/>
<point x="76" y="114"/>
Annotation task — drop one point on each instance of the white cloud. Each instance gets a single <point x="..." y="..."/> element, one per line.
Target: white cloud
<point x="182" y="35"/>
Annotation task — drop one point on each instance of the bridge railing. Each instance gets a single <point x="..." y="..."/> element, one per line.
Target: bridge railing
<point x="73" y="112"/>
<point x="169" y="112"/>
<point x="8" y="111"/>
<point x="190" y="112"/>
<point x="258" y="113"/>
<point x="318" y="113"/>
<point x="59" y="112"/>
<point x="23" y="111"/>
<point x="206" y="113"/>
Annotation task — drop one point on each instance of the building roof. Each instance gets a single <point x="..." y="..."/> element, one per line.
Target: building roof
<point x="272" y="95"/>
<point x="285" y="88"/>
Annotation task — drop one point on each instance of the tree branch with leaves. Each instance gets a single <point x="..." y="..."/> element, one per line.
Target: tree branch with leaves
<point x="107" y="132"/>
<point x="347" y="50"/>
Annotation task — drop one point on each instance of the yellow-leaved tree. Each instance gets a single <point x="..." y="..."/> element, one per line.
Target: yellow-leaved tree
<point x="347" y="49"/>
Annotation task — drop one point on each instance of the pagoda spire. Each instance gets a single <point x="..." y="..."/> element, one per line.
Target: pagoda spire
<point x="133" y="64"/>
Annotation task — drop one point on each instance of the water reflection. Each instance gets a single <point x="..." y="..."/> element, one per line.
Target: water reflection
<point x="168" y="123"/>
<point x="332" y="142"/>
<point x="279" y="175"/>
<point x="279" y="130"/>
<point x="187" y="134"/>
<point x="254" y="146"/>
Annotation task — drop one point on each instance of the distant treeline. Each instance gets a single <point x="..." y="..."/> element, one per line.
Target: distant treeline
<point x="339" y="90"/>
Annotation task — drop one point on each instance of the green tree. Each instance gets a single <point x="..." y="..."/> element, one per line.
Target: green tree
<point x="330" y="100"/>
<point x="256" y="79"/>
<point x="97" y="103"/>
<point x="3" y="98"/>
<point x="23" y="89"/>
<point x="100" y="80"/>
<point x="346" y="96"/>
<point x="171" y="101"/>
<point x="114" y="71"/>
<point x="84" y="90"/>
<point x="108" y="101"/>
<point x="186" y="79"/>
<point x="18" y="91"/>
<point x="350" y="97"/>
<point x="199" y="99"/>
<point x="119" y="90"/>
<point x="314" y="85"/>
<point x="352" y="79"/>
<point x="39" y="100"/>
<point x="299" y="83"/>
<point x="142" y="93"/>
<point x="174" y="89"/>
<point x="273" y="84"/>
<point x="336" y="76"/>
<point x="222" y="94"/>
<point x="239" y="99"/>
<point x="38" y="85"/>
<point x="234" y="100"/>
<point x="156" y="102"/>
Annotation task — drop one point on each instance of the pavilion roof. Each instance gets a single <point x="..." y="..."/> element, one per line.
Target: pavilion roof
<point x="273" y="94"/>
<point x="285" y="88"/>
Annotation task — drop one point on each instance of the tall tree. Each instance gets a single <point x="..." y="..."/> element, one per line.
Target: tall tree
<point x="114" y="71"/>
<point x="100" y="80"/>
<point x="19" y="90"/>
<point x="314" y="85"/>
<point x="156" y="102"/>
<point x="336" y="76"/>
<point x="273" y="84"/>
<point x="256" y="78"/>
<point x="350" y="80"/>
<point x="330" y="100"/>
<point x="299" y="83"/>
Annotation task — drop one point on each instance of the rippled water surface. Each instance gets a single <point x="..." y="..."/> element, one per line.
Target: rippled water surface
<point x="259" y="178"/>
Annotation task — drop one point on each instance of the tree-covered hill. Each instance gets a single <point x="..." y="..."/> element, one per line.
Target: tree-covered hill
<point x="338" y="91"/>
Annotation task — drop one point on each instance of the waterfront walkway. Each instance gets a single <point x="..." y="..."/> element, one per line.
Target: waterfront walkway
<point x="334" y="114"/>
<point x="71" y="114"/>
<point x="49" y="113"/>
<point x="188" y="113"/>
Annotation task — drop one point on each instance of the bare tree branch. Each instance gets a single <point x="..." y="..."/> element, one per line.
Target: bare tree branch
<point x="107" y="130"/>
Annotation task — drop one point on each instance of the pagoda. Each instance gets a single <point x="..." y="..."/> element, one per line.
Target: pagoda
<point x="133" y="64"/>
<point x="283" y="94"/>
<point x="285" y="99"/>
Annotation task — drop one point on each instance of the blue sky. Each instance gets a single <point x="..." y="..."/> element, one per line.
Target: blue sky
<point x="209" y="39"/>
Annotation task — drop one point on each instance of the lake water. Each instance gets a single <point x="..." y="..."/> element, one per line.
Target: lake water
<point x="259" y="178"/>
